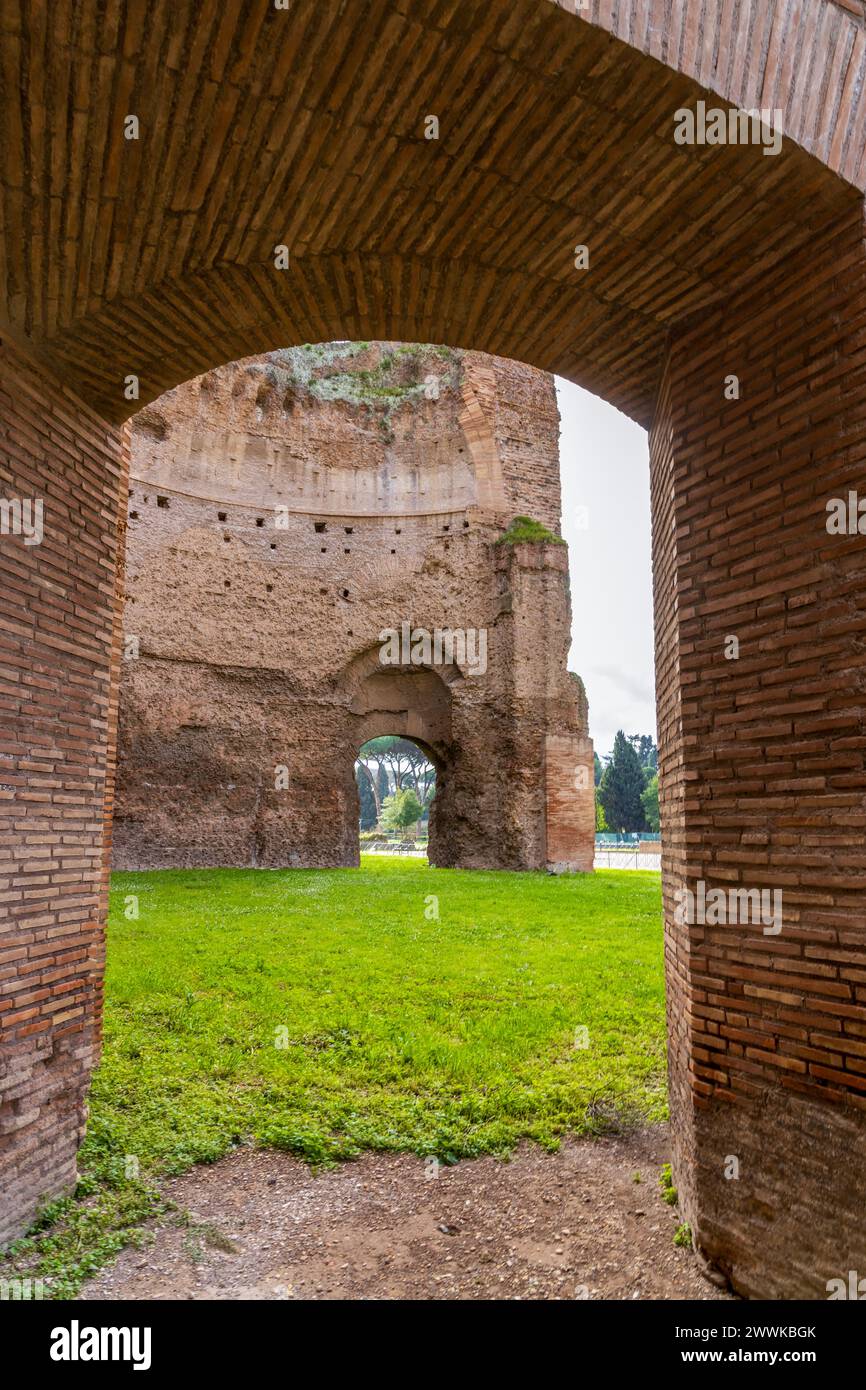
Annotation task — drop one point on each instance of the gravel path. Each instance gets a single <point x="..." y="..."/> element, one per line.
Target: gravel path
<point x="568" y="1225"/>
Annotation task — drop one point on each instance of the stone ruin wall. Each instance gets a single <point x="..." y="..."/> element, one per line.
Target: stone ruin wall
<point x="284" y="511"/>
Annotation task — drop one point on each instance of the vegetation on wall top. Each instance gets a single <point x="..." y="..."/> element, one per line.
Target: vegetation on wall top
<point x="329" y="372"/>
<point x="525" y="528"/>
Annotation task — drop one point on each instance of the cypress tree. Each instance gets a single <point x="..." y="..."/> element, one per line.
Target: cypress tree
<point x="622" y="784"/>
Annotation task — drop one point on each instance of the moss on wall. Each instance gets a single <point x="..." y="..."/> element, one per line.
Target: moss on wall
<point x="361" y="374"/>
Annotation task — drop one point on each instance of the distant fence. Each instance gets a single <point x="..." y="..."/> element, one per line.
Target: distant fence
<point x="391" y="842"/>
<point x="637" y="850"/>
<point x="627" y="859"/>
<point x="606" y="839"/>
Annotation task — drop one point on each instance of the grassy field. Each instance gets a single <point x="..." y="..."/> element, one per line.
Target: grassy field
<point x="327" y="1012"/>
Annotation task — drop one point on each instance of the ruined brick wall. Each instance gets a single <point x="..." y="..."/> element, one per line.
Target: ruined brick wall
<point x="283" y="512"/>
<point x="58" y="639"/>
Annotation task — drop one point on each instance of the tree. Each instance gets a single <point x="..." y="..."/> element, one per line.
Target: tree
<point x="599" y="767"/>
<point x="401" y="810"/>
<point x="650" y="800"/>
<point x="382" y="785"/>
<point x="400" y="763"/>
<point x="621" y="787"/>
<point x="366" y="796"/>
<point x="369" y="811"/>
<point x="645" y="747"/>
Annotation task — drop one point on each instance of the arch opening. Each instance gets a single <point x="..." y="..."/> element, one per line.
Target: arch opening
<point x="397" y="784"/>
<point x="706" y="263"/>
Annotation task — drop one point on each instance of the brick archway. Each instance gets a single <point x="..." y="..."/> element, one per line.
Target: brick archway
<point x="153" y="259"/>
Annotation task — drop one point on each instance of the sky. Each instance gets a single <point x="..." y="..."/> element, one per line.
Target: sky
<point x="604" y="460"/>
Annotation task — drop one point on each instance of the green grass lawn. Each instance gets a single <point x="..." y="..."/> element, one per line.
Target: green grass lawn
<point x="328" y="1012"/>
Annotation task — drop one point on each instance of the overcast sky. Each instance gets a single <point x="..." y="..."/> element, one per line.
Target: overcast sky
<point x="605" y="470"/>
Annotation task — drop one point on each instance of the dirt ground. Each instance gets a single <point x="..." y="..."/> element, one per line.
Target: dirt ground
<point x="549" y="1226"/>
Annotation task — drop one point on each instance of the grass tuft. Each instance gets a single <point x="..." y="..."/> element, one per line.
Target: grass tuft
<point x="525" y="529"/>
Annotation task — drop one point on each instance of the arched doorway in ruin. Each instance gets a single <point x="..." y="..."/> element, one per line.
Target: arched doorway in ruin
<point x="143" y="262"/>
<point x="414" y="703"/>
<point x="396" y="779"/>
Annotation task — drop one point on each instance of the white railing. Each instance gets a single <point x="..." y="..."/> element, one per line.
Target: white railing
<point x="626" y="859"/>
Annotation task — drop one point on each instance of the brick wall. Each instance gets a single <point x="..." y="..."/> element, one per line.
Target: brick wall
<point x="58" y="637"/>
<point x="764" y="766"/>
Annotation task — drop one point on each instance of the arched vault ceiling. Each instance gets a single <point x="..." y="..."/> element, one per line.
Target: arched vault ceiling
<point x="305" y="127"/>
